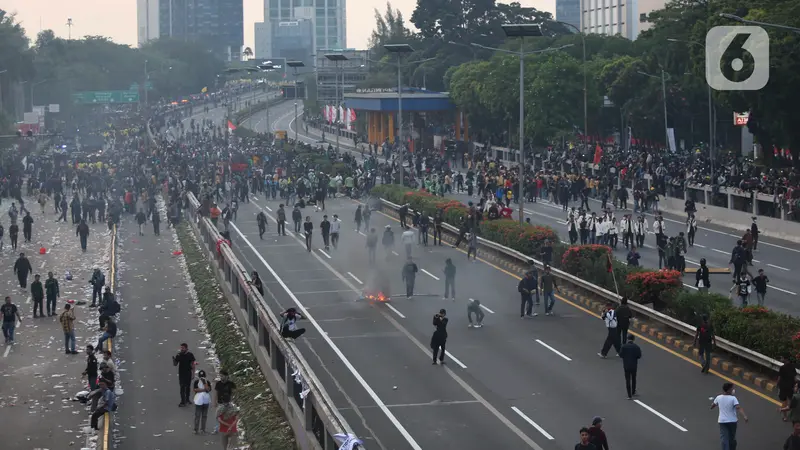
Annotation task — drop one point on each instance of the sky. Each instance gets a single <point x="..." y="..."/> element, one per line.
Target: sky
<point x="117" y="18"/>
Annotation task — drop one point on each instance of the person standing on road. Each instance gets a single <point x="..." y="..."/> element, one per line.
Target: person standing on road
<point x="630" y="354"/>
<point x="10" y="318"/>
<point x="527" y="287"/>
<point x="449" y="279"/>
<point x="366" y="215"/>
<point x="227" y="420"/>
<point x="97" y="281"/>
<point x="13" y="235"/>
<point x="388" y="240"/>
<point x="308" y="227"/>
<point x="612" y="338"/>
<point x="409" y="275"/>
<point x="728" y="419"/>
<point x="281" y="220"/>
<point x="155" y="218"/>
<point x="787" y="375"/>
<point x="297" y="218"/>
<point x="702" y="282"/>
<point x="223" y="389"/>
<point x="705" y="341"/>
<point x="438" y="219"/>
<point x="336" y="227"/>
<point x="584" y="444"/>
<point x="37" y="293"/>
<point x="202" y="400"/>
<point x="596" y="434"/>
<point x="27" y="226"/>
<point x="67" y="319"/>
<point x="185" y="362"/>
<point x="358" y="218"/>
<point x="261" y="220"/>
<point x="141" y="220"/>
<point x="760" y="285"/>
<point x="325" y="228"/>
<point x="23" y="268"/>
<point x="407" y="238"/>
<point x="83" y="232"/>
<point x="424" y="224"/>
<point x="91" y="368"/>
<point x="372" y="244"/>
<point x="624" y="316"/>
<point x="51" y="291"/>
<point x="439" y="338"/>
<point x="548" y="285"/>
<point x="742" y="286"/>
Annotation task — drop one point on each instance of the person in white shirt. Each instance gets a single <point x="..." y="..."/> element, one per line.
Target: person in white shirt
<point x="640" y="229"/>
<point x="612" y="233"/>
<point x="407" y="238"/>
<point x="336" y="225"/>
<point x="691" y="228"/>
<point x="729" y="410"/>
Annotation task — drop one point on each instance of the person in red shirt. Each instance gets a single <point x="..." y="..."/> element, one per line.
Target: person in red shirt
<point x="596" y="434"/>
<point x="228" y="418"/>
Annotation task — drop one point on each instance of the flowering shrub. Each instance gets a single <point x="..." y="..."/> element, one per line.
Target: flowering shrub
<point x="653" y="286"/>
<point x="576" y="256"/>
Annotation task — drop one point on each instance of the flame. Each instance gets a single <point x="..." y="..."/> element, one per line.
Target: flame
<point x="378" y="297"/>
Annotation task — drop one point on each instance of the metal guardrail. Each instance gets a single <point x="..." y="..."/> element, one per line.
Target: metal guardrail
<point x="651" y="314"/>
<point x="103" y="443"/>
<point x="314" y="419"/>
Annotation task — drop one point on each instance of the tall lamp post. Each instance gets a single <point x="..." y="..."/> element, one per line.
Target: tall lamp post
<point x="337" y="58"/>
<point x="663" y="79"/>
<point x="710" y="109"/>
<point x="585" y="89"/>
<point x="521" y="31"/>
<point x="761" y="24"/>
<point x="266" y="67"/>
<point x="295" y="65"/>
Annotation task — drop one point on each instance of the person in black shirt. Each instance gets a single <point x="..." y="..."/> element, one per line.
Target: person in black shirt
<point x="325" y="227"/>
<point x="624" y="316"/>
<point x="760" y="285"/>
<point x="630" y="354"/>
<point x="705" y="341"/>
<point x="742" y="288"/>
<point x="439" y="338"/>
<point x="23" y="268"/>
<point x="185" y="361"/>
<point x="224" y="388"/>
<point x="793" y="441"/>
<point x="256" y="282"/>
<point x="584" y="444"/>
<point x="10" y="316"/>
<point x="91" y="367"/>
<point x="308" y="227"/>
<point x="786" y="381"/>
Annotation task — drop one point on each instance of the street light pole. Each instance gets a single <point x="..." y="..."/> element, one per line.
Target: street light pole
<point x="337" y="58"/>
<point x="761" y="24"/>
<point x="295" y="65"/>
<point x="664" y="94"/>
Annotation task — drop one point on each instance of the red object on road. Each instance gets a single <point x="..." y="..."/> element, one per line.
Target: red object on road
<point x="42" y="251"/>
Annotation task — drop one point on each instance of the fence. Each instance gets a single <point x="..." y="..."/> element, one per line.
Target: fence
<point x="103" y="443"/>
<point x="314" y="418"/>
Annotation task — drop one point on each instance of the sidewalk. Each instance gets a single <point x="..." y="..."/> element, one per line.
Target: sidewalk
<point x="38" y="378"/>
<point x="159" y="315"/>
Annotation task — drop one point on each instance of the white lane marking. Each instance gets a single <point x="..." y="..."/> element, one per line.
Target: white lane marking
<point x="395" y="253"/>
<point x="782" y="290"/>
<point x="720" y="251"/>
<point x="362" y="234"/>
<point x="692" y="262"/>
<point x="8" y="350"/>
<point x="487" y="309"/>
<point x="553" y="350"/>
<point x="395" y="311"/>
<point x="698" y="245"/>
<point x="334" y="347"/>
<point x="322" y="292"/>
<point x="778" y="267"/>
<point x="430" y="274"/>
<point x="665" y="418"/>
<point x="690" y="286"/>
<point x="455" y="360"/>
<point x="355" y="277"/>
<point x="268" y="208"/>
<point x="323" y="252"/>
<point x="532" y="423"/>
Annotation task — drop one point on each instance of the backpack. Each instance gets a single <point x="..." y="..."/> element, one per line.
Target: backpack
<point x="610" y="317"/>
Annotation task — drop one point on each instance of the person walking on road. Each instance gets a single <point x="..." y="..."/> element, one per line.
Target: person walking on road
<point x="624" y="316"/>
<point x="67" y="319"/>
<point x="185" y="362"/>
<point x="548" y="285"/>
<point x="760" y="284"/>
<point x="51" y="291"/>
<point x="612" y="338"/>
<point x="10" y="317"/>
<point x="282" y="220"/>
<point x="325" y="228"/>
<point x="372" y="244"/>
<point x="13" y="235"/>
<point x="630" y="354"/>
<point x="141" y="220"/>
<point x="388" y="240"/>
<point x="23" y="268"/>
<point x="438" y="220"/>
<point x="261" y="220"/>
<point x="109" y="307"/>
<point x="705" y="341"/>
<point x="584" y="444"/>
<point x="37" y="294"/>
<point x="155" y="218"/>
<point x="439" y="338"/>
<point x="449" y="279"/>
<point x="407" y="238"/>
<point x="409" y="276"/>
<point x="27" y="226"/>
<point x="596" y="434"/>
<point x="202" y="399"/>
<point x="223" y="390"/>
<point x="308" y="227"/>
<point x="728" y="419"/>
<point x="358" y="218"/>
<point x="297" y="217"/>
<point x="336" y="227"/>
<point x="527" y="288"/>
<point x="787" y="375"/>
<point x="82" y="231"/>
<point x="97" y="281"/>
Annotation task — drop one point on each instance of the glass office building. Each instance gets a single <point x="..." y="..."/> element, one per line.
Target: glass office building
<point x="328" y="17"/>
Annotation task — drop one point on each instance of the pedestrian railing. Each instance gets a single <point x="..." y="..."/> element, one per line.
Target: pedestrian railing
<point x="309" y="410"/>
<point x="508" y="254"/>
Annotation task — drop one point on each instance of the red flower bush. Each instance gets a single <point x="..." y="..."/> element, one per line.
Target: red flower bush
<point x="654" y="286"/>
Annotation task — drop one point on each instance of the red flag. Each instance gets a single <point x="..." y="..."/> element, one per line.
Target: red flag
<point x="598" y="154"/>
<point x="609" y="264"/>
<point x="231" y="126"/>
<point x="775" y="151"/>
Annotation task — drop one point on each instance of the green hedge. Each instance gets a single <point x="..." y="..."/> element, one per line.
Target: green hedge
<point x="759" y="329"/>
<point x="263" y="420"/>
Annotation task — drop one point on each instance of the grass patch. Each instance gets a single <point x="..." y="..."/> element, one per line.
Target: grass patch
<point x="262" y="417"/>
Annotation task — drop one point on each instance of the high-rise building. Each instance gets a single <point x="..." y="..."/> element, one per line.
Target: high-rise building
<point x="216" y="24"/>
<point x="339" y="77"/>
<point x="327" y="16"/>
<point x="569" y="11"/>
<point x="293" y="40"/>
<point x="626" y="18"/>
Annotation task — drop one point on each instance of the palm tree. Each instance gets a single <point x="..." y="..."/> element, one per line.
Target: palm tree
<point x="248" y="53"/>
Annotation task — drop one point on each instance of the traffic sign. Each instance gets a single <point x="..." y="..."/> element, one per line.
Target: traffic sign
<point x="104" y="97"/>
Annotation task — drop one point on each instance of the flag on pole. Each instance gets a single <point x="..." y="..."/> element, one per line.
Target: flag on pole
<point x="341" y="115"/>
<point x="598" y="154"/>
<point x="352" y="118"/>
<point x="231" y="126"/>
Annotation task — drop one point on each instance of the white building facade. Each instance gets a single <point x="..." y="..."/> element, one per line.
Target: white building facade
<point x="328" y="17"/>
<point x="626" y="18"/>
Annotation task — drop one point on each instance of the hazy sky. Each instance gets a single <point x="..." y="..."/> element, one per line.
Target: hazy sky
<point x="117" y="18"/>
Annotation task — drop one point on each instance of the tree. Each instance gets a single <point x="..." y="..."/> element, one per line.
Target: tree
<point x="15" y="60"/>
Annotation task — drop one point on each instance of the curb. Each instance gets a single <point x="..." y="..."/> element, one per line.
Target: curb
<point x="103" y="443"/>
<point x="678" y="342"/>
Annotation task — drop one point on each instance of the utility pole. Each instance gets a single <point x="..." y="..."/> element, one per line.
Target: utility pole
<point x="69" y="28"/>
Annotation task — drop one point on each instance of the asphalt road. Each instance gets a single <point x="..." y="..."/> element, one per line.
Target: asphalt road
<point x="515" y="383"/>
<point x="37" y="379"/>
<point x="778" y="258"/>
<point x="159" y="314"/>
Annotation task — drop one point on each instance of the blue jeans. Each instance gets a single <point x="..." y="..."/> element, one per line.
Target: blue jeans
<point x="727" y="435"/>
<point x="549" y="301"/>
<point x="102" y="339"/>
<point x="8" y="331"/>
<point x="69" y="341"/>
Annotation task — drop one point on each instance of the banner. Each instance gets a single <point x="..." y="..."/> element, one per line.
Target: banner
<point x="231" y="126"/>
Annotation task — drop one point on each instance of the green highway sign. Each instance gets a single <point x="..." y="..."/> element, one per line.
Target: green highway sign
<point x="105" y="97"/>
